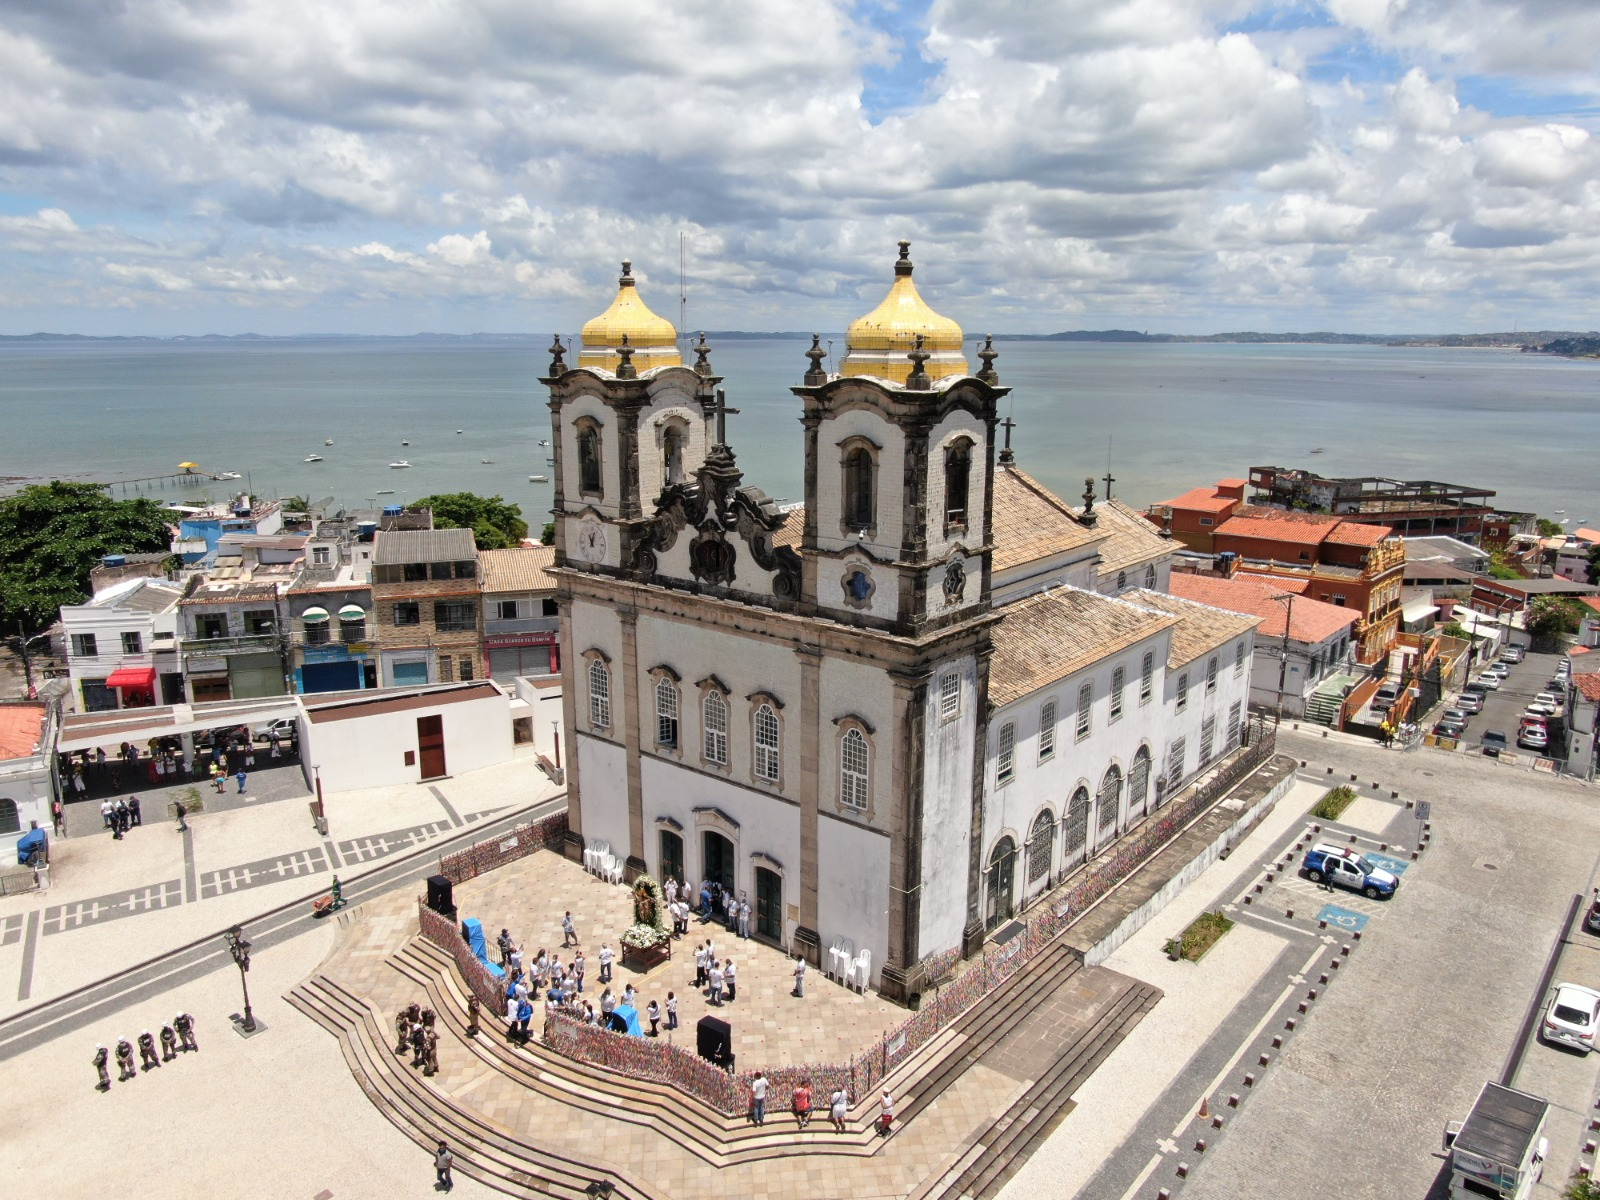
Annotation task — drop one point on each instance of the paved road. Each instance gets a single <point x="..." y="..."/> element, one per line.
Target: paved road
<point x="1503" y="709"/>
<point x="83" y="1007"/>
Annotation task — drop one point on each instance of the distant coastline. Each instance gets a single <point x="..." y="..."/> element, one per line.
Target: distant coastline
<point x="1566" y="343"/>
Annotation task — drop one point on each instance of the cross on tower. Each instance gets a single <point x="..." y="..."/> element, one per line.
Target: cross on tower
<point x="722" y="410"/>
<point x="1110" y="479"/>
<point x="1006" y="457"/>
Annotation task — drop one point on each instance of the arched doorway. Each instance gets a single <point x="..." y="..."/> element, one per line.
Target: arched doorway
<point x="998" y="902"/>
<point x="716" y="858"/>
<point x="1139" y="785"/>
<point x="1077" y="834"/>
<point x="1041" y="846"/>
<point x="1107" y="803"/>
<point x="769" y="906"/>
<point x="672" y="856"/>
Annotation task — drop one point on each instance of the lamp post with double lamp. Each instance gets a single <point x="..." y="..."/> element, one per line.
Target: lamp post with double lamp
<point x="1286" y="599"/>
<point x="239" y="947"/>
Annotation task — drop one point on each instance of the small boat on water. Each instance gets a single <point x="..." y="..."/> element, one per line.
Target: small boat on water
<point x="327" y="441"/>
<point x="544" y="443"/>
<point x="405" y="442"/>
<point x="1316" y="450"/>
<point x="487" y="461"/>
<point x="395" y="466"/>
<point x="538" y="479"/>
<point x="313" y="458"/>
<point x="458" y="431"/>
<point x="385" y="491"/>
<point x="229" y="475"/>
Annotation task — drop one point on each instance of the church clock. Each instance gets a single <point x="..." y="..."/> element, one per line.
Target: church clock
<point x="591" y="541"/>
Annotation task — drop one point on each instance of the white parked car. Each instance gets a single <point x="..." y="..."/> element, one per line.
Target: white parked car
<point x="1490" y="680"/>
<point x="1513" y="654"/>
<point x="1571" y="1019"/>
<point x="1497" y="668"/>
<point x="1470" y="702"/>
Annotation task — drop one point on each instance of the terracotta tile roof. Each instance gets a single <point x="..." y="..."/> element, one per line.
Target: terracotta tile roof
<point x="21" y="726"/>
<point x="793" y="529"/>
<point x="1203" y="499"/>
<point x="1274" y="525"/>
<point x="1233" y="483"/>
<point x="1031" y="523"/>
<point x="1314" y="620"/>
<point x="519" y="569"/>
<point x="1588" y="685"/>
<point x="1354" y="533"/>
<point x="1200" y="628"/>
<point x="1130" y="539"/>
<point x="1047" y="637"/>
<point x="1592" y="601"/>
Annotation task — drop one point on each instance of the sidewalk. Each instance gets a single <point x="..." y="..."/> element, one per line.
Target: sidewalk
<point x="113" y="903"/>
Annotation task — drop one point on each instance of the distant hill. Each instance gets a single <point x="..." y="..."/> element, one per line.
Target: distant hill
<point x="1587" y="346"/>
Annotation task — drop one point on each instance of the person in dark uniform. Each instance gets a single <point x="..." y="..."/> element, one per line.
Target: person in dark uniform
<point x="134" y="816"/>
<point x="169" y="1043"/>
<point x="101" y="1058"/>
<point x="147" y="1051"/>
<point x="125" y="1061"/>
<point x="473" y="1009"/>
<point x="184" y="1024"/>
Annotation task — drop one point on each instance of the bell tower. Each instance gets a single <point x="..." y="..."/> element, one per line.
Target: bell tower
<point x="899" y="473"/>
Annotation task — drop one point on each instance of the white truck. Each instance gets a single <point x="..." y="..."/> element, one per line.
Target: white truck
<point x="1499" y="1150"/>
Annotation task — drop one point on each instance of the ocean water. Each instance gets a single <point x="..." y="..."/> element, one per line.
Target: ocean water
<point x="1165" y="417"/>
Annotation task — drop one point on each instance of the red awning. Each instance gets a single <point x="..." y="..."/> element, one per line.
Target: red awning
<point x="137" y="678"/>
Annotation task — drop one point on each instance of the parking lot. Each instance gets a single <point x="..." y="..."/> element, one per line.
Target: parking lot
<point x="1503" y="708"/>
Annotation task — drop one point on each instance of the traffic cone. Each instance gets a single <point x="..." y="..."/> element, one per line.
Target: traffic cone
<point x="1205" y="1107"/>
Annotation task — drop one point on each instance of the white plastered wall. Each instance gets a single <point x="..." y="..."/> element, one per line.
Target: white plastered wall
<point x="946" y="811"/>
<point x="369" y="750"/>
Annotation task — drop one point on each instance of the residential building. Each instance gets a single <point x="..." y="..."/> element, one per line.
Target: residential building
<point x="1407" y="506"/>
<point x="1589" y="628"/>
<point x="234" y="629"/>
<point x="329" y="608"/>
<point x="1583" y="722"/>
<point x="1194" y="517"/>
<point x="890" y="715"/>
<point x="26" y="737"/>
<point x="200" y="530"/>
<point x="1300" y="641"/>
<point x="425" y="601"/>
<point x="121" y="645"/>
<point x="1572" y="555"/>
<point x="521" y="625"/>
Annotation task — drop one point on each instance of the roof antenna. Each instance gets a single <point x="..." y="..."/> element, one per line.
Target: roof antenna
<point x="683" y="292"/>
<point x="1108" y="476"/>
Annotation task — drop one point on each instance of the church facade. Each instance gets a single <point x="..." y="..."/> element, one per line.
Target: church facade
<point x="866" y="713"/>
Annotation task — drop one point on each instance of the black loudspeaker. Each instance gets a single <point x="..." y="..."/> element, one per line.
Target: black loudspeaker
<point x="714" y="1042"/>
<point x="441" y="895"/>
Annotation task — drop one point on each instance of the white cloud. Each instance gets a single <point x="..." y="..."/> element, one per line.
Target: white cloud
<point x="461" y="251"/>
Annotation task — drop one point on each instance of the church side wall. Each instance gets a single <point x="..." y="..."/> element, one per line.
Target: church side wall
<point x="852" y="892"/>
<point x="947" y="812"/>
<point x="865" y="423"/>
<point x="603" y="767"/>
<point x="1190" y="724"/>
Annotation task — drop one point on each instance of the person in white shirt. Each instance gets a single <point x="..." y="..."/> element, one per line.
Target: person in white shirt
<point x="886" y="1118"/>
<point x="800" y="977"/>
<point x="715" y="976"/>
<point x="838" y="1108"/>
<point x="758" y="1099"/>
<point x="607" y="956"/>
<point x="728" y="973"/>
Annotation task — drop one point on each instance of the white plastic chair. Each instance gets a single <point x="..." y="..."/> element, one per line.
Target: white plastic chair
<point x="613" y="868"/>
<point x="841" y="958"/>
<point x="859" y="972"/>
<point x="588" y="858"/>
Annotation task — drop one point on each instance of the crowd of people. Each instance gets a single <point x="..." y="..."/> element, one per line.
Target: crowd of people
<point x="162" y="761"/>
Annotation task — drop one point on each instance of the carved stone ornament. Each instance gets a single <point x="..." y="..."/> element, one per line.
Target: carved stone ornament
<point x="712" y="558"/>
<point x="858" y="586"/>
<point x="955" y="582"/>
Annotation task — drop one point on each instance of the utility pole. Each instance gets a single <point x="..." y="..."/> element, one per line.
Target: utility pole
<point x="1283" y="653"/>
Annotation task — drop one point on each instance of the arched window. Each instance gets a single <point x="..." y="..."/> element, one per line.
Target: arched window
<point x="1041" y="841"/>
<point x="1122" y="580"/>
<point x="957" y="481"/>
<point x="853" y="770"/>
<point x="666" y="712"/>
<point x="1139" y="783"/>
<point x="599" y="694"/>
<point x="1047" y="730"/>
<point x="1109" y="798"/>
<point x="1211" y="674"/>
<point x="1147" y="674"/>
<point x="1150" y="577"/>
<point x="1000" y="875"/>
<point x="858" y="488"/>
<point x="672" y="441"/>
<point x="10" y="822"/>
<point x="1118" y="682"/>
<point x="715" y="712"/>
<point x="1077" y="828"/>
<point x="766" y="738"/>
<point x="589" y="458"/>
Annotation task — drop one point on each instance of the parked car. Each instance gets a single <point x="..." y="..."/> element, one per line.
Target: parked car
<point x="1449" y="729"/>
<point x="1571" y="1019"/>
<point x="287" y="729"/>
<point x="1493" y="741"/>
<point x="1499" y="669"/>
<point x="1454" y="714"/>
<point x="1487" y="680"/>
<point x="1346" y="868"/>
<point x="1470" y="702"/>
<point x="1533" y="718"/>
<point x="1550" y="698"/>
<point x="1531" y="737"/>
<point x="1591" y="920"/>
<point x="1540" y="710"/>
<point x="1513" y="654"/>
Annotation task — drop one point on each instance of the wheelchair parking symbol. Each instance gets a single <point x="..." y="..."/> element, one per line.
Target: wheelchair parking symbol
<point x="1395" y="866"/>
<point x="1342" y="918"/>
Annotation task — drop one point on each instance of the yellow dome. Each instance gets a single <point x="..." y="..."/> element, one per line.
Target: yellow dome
<point x="877" y="344"/>
<point x="653" y="339"/>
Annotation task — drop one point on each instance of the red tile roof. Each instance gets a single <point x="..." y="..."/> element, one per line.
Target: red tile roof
<point x="21" y="726"/>
<point x="1588" y="685"/>
<point x="1205" y="499"/>
<point x="1314" y="620"/>
<point x="1275" y="529"/>
<point x="1353" y="533"/>
<point x="1592" y="601"/>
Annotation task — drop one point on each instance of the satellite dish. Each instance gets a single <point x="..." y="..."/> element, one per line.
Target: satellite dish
<point x="323" y="505"/>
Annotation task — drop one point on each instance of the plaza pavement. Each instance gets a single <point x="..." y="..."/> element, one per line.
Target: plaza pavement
<point x="113" y="903"/>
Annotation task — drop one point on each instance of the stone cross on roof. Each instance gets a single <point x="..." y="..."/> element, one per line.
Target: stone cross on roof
<point x="722" y="410"/>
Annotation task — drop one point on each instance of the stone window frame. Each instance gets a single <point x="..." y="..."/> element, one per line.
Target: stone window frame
<point x="1044" y="822"/>
<point x="1183" y="692"/>
<point x="665" y="681"/>
<point x="1005" y="754"/>
<point x="1084" y="720"/>
<point x="1150" y="577"/>
<point x="712" y="686"/>
<point x="949" y="696"/>
<point x="598" y="705"/>
<point x="1235" y="731"/>
<point x="759" y="702"/>
<point x="854" y="725"/>
<point x="1147" y="677"/>
<point x="585" y="427"/>
<point x="1211" y="674"/>
<point x="1047" y="730"/>
<point x="962" y="444"/>
<point x="1113" y="775"/>
<point x="1119" y="684"/>
<point x="1208" y="741"/>
<point x="668" y="424"/>
<point x="1238" y="658"/>
<point x="1142" y="755"/>
<point x="1122" y="580"/>
<point x="874" y="452"/>
<point x="853" y="567"/>
<point x="1177" y="752"/>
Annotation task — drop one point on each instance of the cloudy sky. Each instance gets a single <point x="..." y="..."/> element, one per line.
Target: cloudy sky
<point x="392" y="166"/>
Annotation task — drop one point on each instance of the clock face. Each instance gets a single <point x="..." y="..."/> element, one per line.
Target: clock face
<point x="591" y="541"/>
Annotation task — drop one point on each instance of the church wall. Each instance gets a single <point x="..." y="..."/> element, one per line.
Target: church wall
<point x="883" y="601"/>
<point x="1073" y="569"/>
<point x="852" y="889"/>
<point x="852" y="689"/>
<point x="866" y="423"/>
<point x="576" y="407"/>
<point x="603" y="768"/>
<point x="947" y="811"/>
<point x="1189" y="724"/>
<point x="671" y="403"/>
<point x="958" y="424"/>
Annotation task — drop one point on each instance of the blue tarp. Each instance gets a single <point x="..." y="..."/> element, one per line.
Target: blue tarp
<point x="472" y="928"/>
<point x="33" y="840"/>
<point x="631" y="1016"/>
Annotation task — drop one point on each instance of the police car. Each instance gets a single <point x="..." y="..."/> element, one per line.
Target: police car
<point x="1347" y="868"/>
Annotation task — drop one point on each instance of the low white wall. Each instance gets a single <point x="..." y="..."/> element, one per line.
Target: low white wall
<point x="1140" y="917"/>
<point x="369" y="750"/>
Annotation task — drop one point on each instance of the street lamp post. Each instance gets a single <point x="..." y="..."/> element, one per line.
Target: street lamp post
<point x="239" y="947"/>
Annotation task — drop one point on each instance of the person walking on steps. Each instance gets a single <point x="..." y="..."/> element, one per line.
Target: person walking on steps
<point x="442" y="1160"/>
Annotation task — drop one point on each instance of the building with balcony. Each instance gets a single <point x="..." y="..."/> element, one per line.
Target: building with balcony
<point x="235" y="641"/>
<point x="329" y="608"/>
<point x="122" y="649"/>
<point x="425" y="600"/>
<point x="520" y="622"/>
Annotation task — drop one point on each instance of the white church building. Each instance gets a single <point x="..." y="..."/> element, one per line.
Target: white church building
<point x="893" y="715"/>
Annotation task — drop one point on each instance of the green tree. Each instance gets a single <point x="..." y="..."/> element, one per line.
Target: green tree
<point x="52" y="535"/>
<point x="1594" y="563"/>
<point x="1548" y="528"/>
<point x="495" y="524"/>
<point x="1550" y="616"/>
<point x="1456" y="630"/>
<point x="547" y="535"/>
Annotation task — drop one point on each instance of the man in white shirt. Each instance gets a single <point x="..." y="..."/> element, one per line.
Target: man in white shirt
<point x="758" y="1099"/>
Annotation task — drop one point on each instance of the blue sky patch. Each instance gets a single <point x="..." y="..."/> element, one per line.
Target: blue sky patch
<point x="903" y="85"/>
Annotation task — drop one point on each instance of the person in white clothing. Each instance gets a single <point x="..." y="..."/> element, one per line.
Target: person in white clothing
<point x="886" y="1118"/>
<point x="758" y="1099"/>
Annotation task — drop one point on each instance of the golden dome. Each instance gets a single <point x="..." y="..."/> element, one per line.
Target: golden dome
<point x="653" y="339"/>
<point x="878" y="343"/>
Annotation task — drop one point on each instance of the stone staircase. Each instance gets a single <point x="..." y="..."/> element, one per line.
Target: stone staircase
<point x="1323" y="707"/>
<point x="506" y="1162"/>
<point x="516" y="1166"/>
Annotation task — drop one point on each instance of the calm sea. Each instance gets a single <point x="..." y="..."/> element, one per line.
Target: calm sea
<point x="1166" y="417"/>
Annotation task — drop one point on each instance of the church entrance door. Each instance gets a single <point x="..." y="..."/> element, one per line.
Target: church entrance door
<point x="716" y="853"/>
<point x="769" y="905"/>
<point x="998" y="903"/>
<point x="671" y="856"/>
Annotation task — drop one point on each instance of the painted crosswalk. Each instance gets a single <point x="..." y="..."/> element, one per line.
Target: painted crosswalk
<point x="59" y="918"/>
<point x="267" y="870"/>
<point x="380" y="845"/>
